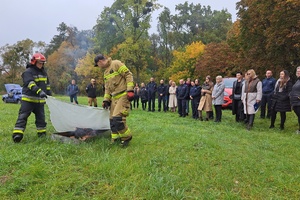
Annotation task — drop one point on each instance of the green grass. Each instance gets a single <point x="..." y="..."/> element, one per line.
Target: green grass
<point x="168" y="158"/>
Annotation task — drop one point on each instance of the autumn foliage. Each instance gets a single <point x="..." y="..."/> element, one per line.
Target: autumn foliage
<point x="183" y="65"/>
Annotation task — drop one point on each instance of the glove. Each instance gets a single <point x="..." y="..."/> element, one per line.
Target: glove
<point x="105" y="104"/>
<point x="130" y="95"/>
<point x="42" y="94"/>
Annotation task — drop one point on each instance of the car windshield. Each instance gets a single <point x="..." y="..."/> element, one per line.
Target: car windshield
<point x="228" y="82"/>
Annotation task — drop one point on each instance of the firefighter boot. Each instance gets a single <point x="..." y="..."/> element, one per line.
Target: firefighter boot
<point x="17" y="137"/>
<point x="124" y="143"/>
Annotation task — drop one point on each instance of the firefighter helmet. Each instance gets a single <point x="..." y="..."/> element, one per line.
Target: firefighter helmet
<point x="37" y="57"/>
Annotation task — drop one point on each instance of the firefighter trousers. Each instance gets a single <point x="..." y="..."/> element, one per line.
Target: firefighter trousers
<point x="119" y="110"/>
<point x="25" y="110"/>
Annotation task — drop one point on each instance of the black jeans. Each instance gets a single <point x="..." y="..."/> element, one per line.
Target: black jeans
<point x="195" y="104"/>
<point x="136" y="102"/>
<point x="182" y="107"/>
<point x="162" y="99"/>
<point x="151" y="102"/>
<point x="218" y="109"/>
<point x="266" y="99"/>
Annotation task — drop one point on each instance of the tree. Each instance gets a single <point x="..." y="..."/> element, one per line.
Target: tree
<point x="199" y="23"/>
<point x="61" y="65"/>
<point x="86" y="71"/>
<point x="122" y="30"/>
<point x="57" y="39"/>
<point x="183" y="65"/>
<point x="218" y="59"/>
<point x="269" y="33"/>
<point x="15" y="58"/>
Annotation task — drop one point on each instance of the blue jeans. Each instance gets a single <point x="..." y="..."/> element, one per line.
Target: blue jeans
<point x="73" y="97"/>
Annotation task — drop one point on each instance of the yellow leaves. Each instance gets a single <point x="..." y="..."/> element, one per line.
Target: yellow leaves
<point x="184" y="61"/>
<point x="85" y="66"/>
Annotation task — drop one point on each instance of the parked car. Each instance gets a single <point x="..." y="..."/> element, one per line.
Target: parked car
<point x="14" y="93"/>
<point x="228" y="82"/>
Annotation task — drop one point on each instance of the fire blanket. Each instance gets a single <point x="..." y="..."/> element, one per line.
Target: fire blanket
<point x="67" y="117"/>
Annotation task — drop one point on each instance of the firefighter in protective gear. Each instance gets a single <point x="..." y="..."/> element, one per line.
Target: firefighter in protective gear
<point x="118" y="94"/>
<point x="35" y="89"/>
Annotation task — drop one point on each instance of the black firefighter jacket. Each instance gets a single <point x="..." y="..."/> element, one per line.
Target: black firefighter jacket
<point x="35" y="80"/>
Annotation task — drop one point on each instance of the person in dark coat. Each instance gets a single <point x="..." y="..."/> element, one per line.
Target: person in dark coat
<point x="91" y="91"/>
<point x="280" y="98"/>
<point x="268" y="85"/>
<point x="152" y="89"/>
<point x="162" y="92"/>
<point x="295" y="98"/>
<point x="195" y="95"/>
<point x="144" y="96"/>
<point x="136" y="99"/>
<point x="72" y="91"/>
<point x="182" y="93"/>
<point x="237" y="104"/>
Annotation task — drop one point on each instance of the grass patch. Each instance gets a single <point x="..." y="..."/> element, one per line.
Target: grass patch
<point x="168" y="158"/>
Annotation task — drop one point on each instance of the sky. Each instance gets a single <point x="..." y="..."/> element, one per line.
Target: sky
<point x="38" y="19"/>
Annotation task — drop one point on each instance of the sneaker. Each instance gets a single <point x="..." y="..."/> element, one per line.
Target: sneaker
<point x="124" y="143"/>
<point x="17" y="137"/>
<point x="272" y="126"/>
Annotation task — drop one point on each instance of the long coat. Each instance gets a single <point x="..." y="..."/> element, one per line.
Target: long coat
<point x="172" y="97"/>
<point x="206" y="100"/>
<point x="281" y="99"/>
<point x="251" y="92"/>
<point x="237" y="107"/>
<point x="295" y="94"/>
<point x="218" y="93"/>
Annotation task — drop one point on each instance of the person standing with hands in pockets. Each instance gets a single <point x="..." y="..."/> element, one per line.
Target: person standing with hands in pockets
<point x="117" y="96"/>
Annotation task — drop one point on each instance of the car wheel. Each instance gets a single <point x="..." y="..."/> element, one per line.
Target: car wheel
<point x="5" y="101"/>
<point x="19" y="101"/>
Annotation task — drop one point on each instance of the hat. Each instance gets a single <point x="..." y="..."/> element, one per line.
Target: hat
<point x="97" y="58"/>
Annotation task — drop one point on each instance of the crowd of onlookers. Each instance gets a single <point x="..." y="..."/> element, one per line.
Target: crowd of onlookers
<point x="249" y="95"/>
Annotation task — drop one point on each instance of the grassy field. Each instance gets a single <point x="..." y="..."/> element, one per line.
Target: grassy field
<point x="168" y="158"/>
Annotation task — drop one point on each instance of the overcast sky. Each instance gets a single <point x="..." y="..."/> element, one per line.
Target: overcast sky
<point x="38" y="19"/>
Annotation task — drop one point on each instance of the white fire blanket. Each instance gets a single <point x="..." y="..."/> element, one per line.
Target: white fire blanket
<point x="67" y="116"/>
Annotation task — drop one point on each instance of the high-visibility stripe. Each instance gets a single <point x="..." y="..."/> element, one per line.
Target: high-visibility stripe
<point x="38" y="90"/>
<point x="123" y="69"/>
<point x="130" y="84"/>
<point x="48" y="88"/>
<point x="107" y="96"/>
<point x="31" y="84"/>
<point x="126" y="134"/>
<point x="18" y="131"/>
<point x="125" y="113"/>
<point x="119" y="95"/>
<point x="44" y="79"/>
<point x="115" y="136"/>
<point x="33" y="100"/>
<point x="41" y="130"/>
<point x="111" y="75"/>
